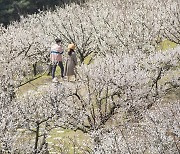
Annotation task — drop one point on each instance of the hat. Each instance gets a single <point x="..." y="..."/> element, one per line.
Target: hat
<point x="71" y="46"/>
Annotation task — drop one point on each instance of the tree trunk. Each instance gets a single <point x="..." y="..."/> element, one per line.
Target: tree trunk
<point x="82" y="58"/>
<point x="35" y="69"/>
<point x="36" y="138"/>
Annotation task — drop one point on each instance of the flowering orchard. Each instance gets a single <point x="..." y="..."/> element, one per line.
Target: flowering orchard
<point x="125" y="100"/>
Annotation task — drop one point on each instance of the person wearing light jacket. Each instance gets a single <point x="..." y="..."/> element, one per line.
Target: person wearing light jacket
<point x="56" y="57"/>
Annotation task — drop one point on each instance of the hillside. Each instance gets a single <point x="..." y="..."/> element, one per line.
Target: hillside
<point x="125" y="99"/>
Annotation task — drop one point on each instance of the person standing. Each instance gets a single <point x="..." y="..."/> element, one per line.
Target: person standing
<point x="71" y="62"/>
<point x="56" y="57"/>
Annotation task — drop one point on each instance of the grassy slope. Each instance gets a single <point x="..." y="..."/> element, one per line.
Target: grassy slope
<point x="165" y="45"/>
<point x="67" y="138"/>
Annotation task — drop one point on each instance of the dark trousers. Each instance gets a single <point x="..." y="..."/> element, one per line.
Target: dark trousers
<point x="60" y="64"/>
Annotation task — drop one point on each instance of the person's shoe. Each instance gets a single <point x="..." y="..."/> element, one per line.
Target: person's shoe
<point x="55" y="80"/>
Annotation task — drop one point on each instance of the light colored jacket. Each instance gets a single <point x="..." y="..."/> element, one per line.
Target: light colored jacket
<point x="56" y="53"/>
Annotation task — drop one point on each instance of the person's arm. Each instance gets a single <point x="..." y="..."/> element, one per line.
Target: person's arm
<point x="50" y="55"/>
<point x="74" y="58"/>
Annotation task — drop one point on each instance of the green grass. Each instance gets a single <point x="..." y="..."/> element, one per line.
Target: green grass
<point x="88" y="59"/>
<point x="33" y="85"/>
<point x="165" y="45"/>
<point x="66" y="138"/>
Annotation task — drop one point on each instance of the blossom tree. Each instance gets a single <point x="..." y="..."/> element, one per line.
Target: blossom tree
<point x="170" y="29"/>
<point x="119" y="99"/>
